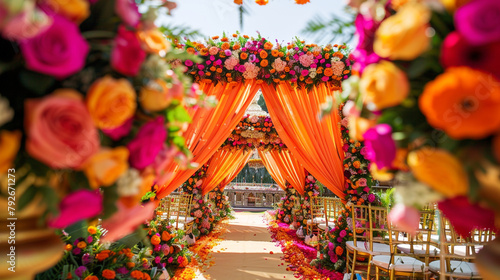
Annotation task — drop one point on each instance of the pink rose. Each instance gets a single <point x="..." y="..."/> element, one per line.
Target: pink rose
<point x="119" y="132"/>
<point x="405" y="218"/>
<point x="60" y="51"/>
<point x="76" y="206"/>
<point x="128" y="11"/>
<point x="338" y="67"/>
<point x="147" y="143"/>
<point x="60" y="130"/>
<point x="127" y="55"/>
<point x="126" y="220"/>
<point x="306" y="60"/>
<point x="213" y="50"/>
<point x="25" y="25"/>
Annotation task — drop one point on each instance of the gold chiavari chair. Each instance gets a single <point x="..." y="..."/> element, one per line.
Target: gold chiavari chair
<point x="333" y="207"/>
<point x="456" y="260"/>
<point x="180" y="208"/>
<point x="163" y="210"/>
<point x="411" y="253"/>
<point x="317" y="215"/>
<point x="369" y="230"/>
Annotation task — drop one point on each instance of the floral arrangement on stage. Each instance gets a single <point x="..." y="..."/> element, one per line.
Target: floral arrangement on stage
<point x="200" y="208"/>
<point x="288" y="206"/>
<point x="91" y="108"/>
<point x="254" y="132"/>
<point x="240" y="58"/>
<point x="86" y="258"/>
<point x="222" y="209"/>
<point x="170" y="250"/>
<point x="430" y="91"/>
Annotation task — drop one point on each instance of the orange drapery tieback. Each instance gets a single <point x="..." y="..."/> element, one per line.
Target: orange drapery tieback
<point x="316" y="143"/>
<point x="284" y="167"/>
<point x="209" y="128"/>
<point x="221" y="164"/>
<point x="235" y="171"/>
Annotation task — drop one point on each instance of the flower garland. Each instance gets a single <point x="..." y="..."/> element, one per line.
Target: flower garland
<point x="254" y="132"/>
<point x="223" y="208"/>
<point x="241" y="58"/>
<point x="200" y="210"/>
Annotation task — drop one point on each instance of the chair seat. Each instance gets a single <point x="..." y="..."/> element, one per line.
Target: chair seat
<point x="459" y="268"/>
<point x="461" y="250"/>
<point x="401" y="263"/>
<point x="378" y="248"/>
<point x="324" y="227"/>
<point x="419" y="249"/>
<point x="316" y="221"/>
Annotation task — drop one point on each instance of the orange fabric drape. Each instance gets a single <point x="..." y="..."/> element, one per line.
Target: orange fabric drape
<point x="221" y="164"/>
<point x="235" y="171"/>
<point x="316" y="143"/>
<point x="209" y="128"/>
<point x="284" y="167"/>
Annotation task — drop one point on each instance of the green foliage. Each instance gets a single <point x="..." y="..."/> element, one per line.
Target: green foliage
<point x="331" y="29"/>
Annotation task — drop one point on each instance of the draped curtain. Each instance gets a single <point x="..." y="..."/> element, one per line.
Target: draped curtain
<point x="209" y="129"/>
<point x="316" y="143"/>
<point x="284" y="167"/>
<point x="235" y="171"/>
<point x="221" y="165"/>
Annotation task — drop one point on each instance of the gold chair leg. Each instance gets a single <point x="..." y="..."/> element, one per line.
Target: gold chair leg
<point x="353" y="264"/>
<point x="369" y="267"/>
<point x="377" y="272"/>
<point x="391" y="274"/>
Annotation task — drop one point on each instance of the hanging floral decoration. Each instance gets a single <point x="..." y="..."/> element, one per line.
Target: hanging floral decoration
<point x="200" y="208"/>
<point x="239" y="58"/>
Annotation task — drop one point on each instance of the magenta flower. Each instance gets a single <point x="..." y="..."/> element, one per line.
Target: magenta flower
<point x="188" y="63"/>
<point x="127" y="54"/>
<point x="128" y="11"/>
<point x="478" y="21"/>
<point x="60" y="51"/>
<point x="86" y="259"/>
<point x="363" y="53"/>
<point x="405" y="217"/>
<point x="77" y="251"/>
<point x="380" y="147"/>
<point x="80" y="270"/>
<point x="119" y="132"/>
<point x="147" y="143"/>
<point x="76" y="206"/>
<point x="122" y="270"/>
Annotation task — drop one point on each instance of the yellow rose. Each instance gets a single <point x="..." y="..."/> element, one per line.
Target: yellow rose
<point x="104" y="168"/>
<point x="111" y="102"/>
<point x="440" y="170"/>
<point x="153" y="41"/>
<point x="155" y="96"/>
<point x="404" y="35"/>
<point x="9" y="145"/>
<point x="75" y="10"/>
<point x="384" y="85"/>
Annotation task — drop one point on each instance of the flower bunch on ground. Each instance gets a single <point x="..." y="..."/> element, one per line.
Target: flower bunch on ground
<point x="200" y="208"/>
<point x="169" y="247"/>
<point x="86" y="258"/>
<point x="222" y="207"/>
<point x="298" y="254"/>
<point x="240" y="58"/>
<point x="254" y="132"/>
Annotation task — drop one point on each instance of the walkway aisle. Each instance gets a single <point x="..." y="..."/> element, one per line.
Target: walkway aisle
<point x="244" y="253"/>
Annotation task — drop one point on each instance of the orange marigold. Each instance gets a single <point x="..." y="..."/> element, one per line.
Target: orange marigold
<point x="245" y="36"/>
<point x="339" y="250"/>
<point x="92" y="229"/>
<point x="264" y="63"/>
<point x="68" y="247"/>
<point x="101" y="256"/>
<point x="268" y="45"/>
<point x="338" y="54"/>
<point x="263" y="54"/>
<point x="275" y="53"/>
<point x="463" y="102"/>
<point x="225" y="46"/>
<point x="155" y="240"/>
<point x="91" y="277"/>
<point x="224" y="39"/>
<point x="108" y="274"/>
<point x="204" y="51"/>
<point x="262" y="2"/>
<point x="136" y="274"/>
<point x="81" y="244"/>
<point x="215" y="37"/>
<point x="328" y="72"/>
<point x="243" y="55"/>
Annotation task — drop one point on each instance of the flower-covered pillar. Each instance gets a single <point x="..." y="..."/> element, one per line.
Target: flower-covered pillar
<point x="200" y="209"/>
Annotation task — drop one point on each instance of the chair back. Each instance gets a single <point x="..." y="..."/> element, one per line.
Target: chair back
<point x="180" y="207"/>
<point x="333" y="208"/>
<point x="317" y="211"/>
<point x="360" y="216"/>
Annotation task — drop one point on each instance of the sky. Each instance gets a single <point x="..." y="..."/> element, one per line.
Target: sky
<point x="280" y="19"/>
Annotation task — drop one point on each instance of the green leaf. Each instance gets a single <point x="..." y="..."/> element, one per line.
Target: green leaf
<point x="178" y="113"/>
<point x="36" y="82"/>
<point x="50" y="199"/>
<point x="27" y="197"/>
<point x="148" y="196"/>
<point x="110" y="196"/>
<point x="179" y="141"/>
<point x="76" y="230"/>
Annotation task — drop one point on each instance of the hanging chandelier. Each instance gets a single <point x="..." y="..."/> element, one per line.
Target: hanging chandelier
<point x="255" y="163"/>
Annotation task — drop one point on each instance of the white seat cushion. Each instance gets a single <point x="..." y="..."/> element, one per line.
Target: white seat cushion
<point x="323" y="227"/>
<point x="459" y="268"/>
<point x="316" y="221"/>
<point x="401" y="263"/>
<point x="419" y="249"/>
<point x="378" y="248"/>
<point x="461" y="250"/>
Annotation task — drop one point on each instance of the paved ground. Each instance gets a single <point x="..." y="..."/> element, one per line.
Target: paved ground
<point x="244" y="253"/>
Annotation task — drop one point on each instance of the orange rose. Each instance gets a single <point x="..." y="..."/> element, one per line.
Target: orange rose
<point x="268" y="45"/>
<point x="166" y="236"/>
<point x="384" y="85"/>
<point x="404" y="35"/>
<point x="155" y="240"/>
<point x="463" y="102"/>
<point x="74" y="10"/>
<point x="264" y="63"/>
<point x="153" y="41"/>
<point x="243" y="55"/>
<point x="108" y="274"/>
<point x="263" y="54"/>
<point x="236" y="46"/>
<point x="339" y="251"/>
<point x="440" y="170"/>
<point x="328" y="72"/>
<point x="225" y="46"/>
<point x="10" y="142"/>
<point x="111" y="102"/>
<point x="104" y="168"/>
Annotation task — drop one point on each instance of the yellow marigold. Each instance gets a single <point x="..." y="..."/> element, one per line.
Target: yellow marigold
<point x="92" y="229"/>
<point x="440" y="170"/>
